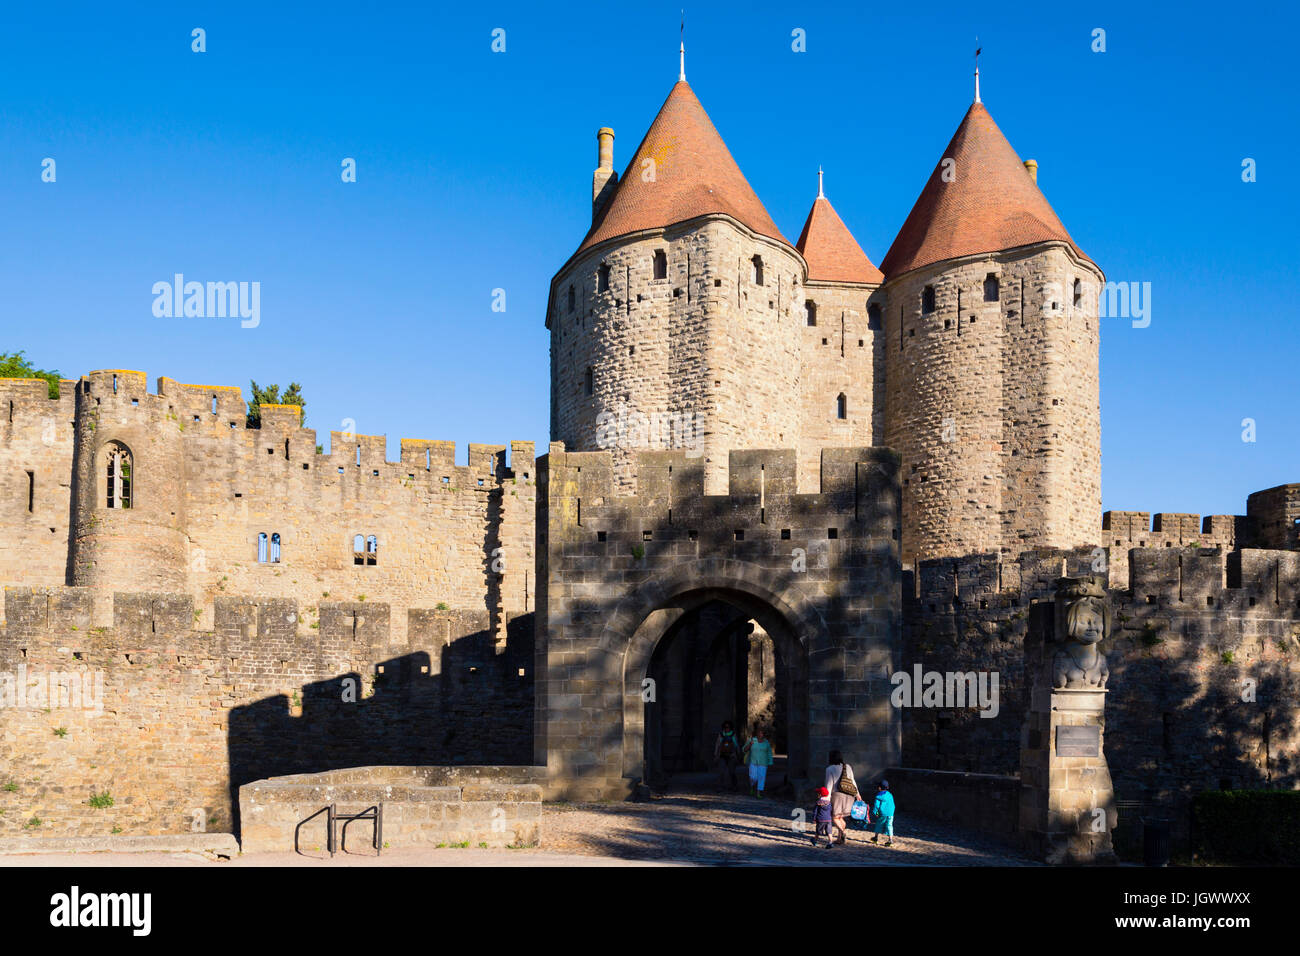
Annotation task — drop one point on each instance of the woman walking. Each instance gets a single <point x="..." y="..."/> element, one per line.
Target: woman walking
<point x="844" y="790"/>
<point x="758" y="755"/>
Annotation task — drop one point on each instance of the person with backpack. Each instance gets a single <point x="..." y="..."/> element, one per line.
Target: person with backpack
<point x="726" y="754"/>
<point x="844" y="791"/>
<point x="884" y="814"/>
<point x="758" y="755"/>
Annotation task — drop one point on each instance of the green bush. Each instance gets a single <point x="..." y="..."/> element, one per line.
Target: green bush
<point x="1247" y="826"/>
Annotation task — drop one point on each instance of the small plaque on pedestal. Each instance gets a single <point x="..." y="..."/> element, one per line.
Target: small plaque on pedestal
<point x="1078" y="741"/>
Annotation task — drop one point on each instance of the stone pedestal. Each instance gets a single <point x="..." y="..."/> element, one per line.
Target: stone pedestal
<point x="1067" y="803"/>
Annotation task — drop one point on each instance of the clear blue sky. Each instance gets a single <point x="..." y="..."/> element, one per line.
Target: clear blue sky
<point x="474" y="173"/>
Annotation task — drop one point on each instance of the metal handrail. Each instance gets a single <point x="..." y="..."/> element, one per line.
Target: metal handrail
<point x="329" y="834"/>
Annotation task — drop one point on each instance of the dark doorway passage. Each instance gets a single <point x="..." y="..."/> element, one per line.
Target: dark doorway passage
<point x="716" y="663"/>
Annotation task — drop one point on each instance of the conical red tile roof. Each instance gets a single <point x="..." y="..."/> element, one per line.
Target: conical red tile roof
<point x="694" y="174"/>
<point x="991" y="203"/>
<point x="830" y="250"/>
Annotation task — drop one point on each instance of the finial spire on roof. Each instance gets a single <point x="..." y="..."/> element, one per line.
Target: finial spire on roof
<point x="681" y="51"/>
<point x="977" y="69"/>
<point x="820" y="193"/>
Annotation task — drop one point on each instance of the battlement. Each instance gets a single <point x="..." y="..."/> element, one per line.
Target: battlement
<point x="254" y="628"/>
<point x="1188" y="578"/>
<point x="755" y="477"/>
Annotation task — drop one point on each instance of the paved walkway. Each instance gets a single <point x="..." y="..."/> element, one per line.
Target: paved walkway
<point x="695" y="828"/>
<point x="726" y="829"/>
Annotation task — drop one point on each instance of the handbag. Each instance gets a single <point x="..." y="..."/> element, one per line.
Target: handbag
<point x="846" y="784"/>
<point x="859" y="811"/>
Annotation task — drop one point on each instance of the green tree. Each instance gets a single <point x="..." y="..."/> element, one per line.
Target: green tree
<point x="270" y="395"/>
<point x="15" y="365"/>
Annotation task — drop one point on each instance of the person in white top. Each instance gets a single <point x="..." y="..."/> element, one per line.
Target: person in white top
<point x="841" y="802"/>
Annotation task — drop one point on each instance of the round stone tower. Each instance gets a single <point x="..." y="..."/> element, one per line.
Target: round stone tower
<point x="991" y="350"/>
<point x="676" y="322"/>
<point x="128" y="508"/>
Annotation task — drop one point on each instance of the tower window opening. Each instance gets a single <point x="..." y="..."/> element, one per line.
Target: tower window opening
<point x="757" y="263"/>
<point x="810" y="307"/>
<point x="1078" y="292"/>
<point x="841" y="407"/>
<point x="275" y="548"/>
<point x="589" y="382"/>
<point x="873" y="317"/>
<point x="31" y="491"/>
<point x="927" y="300"/>
<point x="660" y="264"/>
<point x="261" y="547"/>
<point x="602" y="278"/>
<point x="991" y="288"/>
<point x="214" y="404"/>
<point x="372" y="550"/>
<point x="119" y="475"/>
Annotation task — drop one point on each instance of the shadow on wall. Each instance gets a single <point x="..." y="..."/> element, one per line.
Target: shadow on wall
<point x="476" y="708"/>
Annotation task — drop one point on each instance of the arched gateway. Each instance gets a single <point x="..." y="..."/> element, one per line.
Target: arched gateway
<point x="663" y="612"/>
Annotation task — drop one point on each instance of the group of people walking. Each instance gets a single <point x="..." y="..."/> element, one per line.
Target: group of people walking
<point x="839" y="799"/>
<point x="756" y="753"/>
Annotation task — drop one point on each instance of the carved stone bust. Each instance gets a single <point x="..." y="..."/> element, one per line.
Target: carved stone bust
<point x="1083" y="621"/>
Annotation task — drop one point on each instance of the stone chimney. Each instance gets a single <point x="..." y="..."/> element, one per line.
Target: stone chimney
<point x="1031" y="166"/>
<point x="604" y="179"/>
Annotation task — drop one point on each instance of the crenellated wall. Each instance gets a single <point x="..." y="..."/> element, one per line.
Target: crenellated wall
<point x="205" y="488"/>
<point x="187" y="715"/>
<point x="1197" y="631"/>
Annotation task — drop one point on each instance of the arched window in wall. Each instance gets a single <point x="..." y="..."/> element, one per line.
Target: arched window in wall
<point x="873" y="317"/>
<point x="358" y="549"/>
<point x="927" y="299"/>
<point x="372" y="550"/>
<point x="1078" y="292"/>
<point x="275" y="548"/>
<point x="261" y="548"/>
<point x="602" y="278"/>
<point x="757" y="263"/>
<point x="810" y="309"/>
<point x="841" y="406"/>
<point x="660" y="264"/>
<point x="991" y="290"/>
<point x="118" y="475"/>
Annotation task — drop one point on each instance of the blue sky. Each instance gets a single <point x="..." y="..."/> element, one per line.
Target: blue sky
<point x="474" y="171"/>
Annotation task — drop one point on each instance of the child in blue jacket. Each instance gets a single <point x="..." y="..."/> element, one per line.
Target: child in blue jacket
<point x="883" y="812"/>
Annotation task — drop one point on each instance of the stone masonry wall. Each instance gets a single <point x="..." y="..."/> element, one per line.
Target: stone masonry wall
<point x="707" y="340"/>
<point x="421" y="806"/>
<point x="994" y="405"/>
<point x="36" y="434"/>
<point x="189" y="715"/>
<point x="818" y="572"/>
<point x="843" y="354"/>
<point x="1196" y="630"/>
<point x="205" y="487"/>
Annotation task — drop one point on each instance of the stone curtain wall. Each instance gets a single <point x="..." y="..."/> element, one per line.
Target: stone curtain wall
<point x="205" y="487"/>
<point x="994" y="406"/>
<point x="422" y="806"/>
<point x="189" y="715"/>
<point x="707" y="340"/>
<point x="623" y="568"/>
<point x="1191" y="629"/>
<point x="36" y="434"/>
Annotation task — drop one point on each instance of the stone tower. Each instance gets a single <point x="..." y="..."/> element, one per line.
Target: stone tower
<point x="843" y="374"/>
<point x="128" y="521"/>
<point x="676" y="323"/>
<point x="991" y="354"/>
